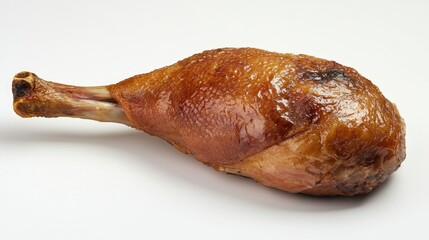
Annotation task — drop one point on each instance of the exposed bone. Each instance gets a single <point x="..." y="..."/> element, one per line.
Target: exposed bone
<point x="35" y="97"/>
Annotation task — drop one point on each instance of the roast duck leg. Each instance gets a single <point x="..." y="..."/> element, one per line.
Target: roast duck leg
<point x="293" y="122"/>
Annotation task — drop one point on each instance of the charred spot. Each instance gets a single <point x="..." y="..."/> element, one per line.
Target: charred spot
<point x="20" y="88"/>
<point x="333" y="74"/>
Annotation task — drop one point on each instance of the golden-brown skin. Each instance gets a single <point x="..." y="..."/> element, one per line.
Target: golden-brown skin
<point x="294" y="122"/>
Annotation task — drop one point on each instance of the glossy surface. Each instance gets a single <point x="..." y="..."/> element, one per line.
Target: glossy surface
<point x="294" y="122"/>
<point x="297" y="123"/>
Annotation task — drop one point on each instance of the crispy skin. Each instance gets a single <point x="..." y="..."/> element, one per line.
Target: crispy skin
<point x="294" y="122"/>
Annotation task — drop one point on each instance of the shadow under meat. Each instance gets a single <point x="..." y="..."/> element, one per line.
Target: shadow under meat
<point x="136" y="146"/>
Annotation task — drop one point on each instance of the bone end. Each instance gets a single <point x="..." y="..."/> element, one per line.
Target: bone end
<point x="22" y="88"/>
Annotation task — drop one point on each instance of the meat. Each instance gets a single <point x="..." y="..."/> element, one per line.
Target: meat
<point x="293" y="122"/>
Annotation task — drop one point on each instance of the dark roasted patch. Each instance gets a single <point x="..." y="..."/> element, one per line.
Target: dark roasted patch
<point x="333" y="74"/>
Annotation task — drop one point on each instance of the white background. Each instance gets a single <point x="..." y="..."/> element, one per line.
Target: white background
<point x="79" y="179"/>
